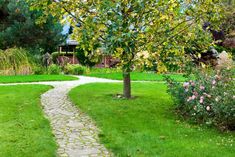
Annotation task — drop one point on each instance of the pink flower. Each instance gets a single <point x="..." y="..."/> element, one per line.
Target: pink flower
<point x="193" y="97"/>
<point x="208" y="108"/>
<point x="202" y="88"/>
<point x="213" y="82"/>
<point x="201" y="99"/>
<point x="186" y="84"/>
<point x="192" y="83"/>
<point x="195" y="93"/>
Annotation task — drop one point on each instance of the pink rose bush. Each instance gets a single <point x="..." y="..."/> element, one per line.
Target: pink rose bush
<point x="208" y="98"/>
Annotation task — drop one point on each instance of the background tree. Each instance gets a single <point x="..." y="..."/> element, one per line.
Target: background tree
<point x="131" y="29"/>
<point x="85" y="60"/>
<point x="229" y="20"/>
<point x="19" y="28"/>
<point x="227" y="28"/>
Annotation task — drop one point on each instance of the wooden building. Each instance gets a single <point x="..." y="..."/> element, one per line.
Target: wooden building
<point x="68" y="54"/>
<point x="69" y="46"/>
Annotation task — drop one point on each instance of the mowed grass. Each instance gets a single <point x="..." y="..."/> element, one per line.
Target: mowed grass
<point x="146" y="126"/>
<point x="24" y="132"/>
<point x="138" y="76"/>
<point x="35" y="78"/>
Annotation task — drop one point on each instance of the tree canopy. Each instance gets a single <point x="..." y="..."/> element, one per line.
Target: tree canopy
<point x="19" y="27"/>
<point x="136" y="31"/>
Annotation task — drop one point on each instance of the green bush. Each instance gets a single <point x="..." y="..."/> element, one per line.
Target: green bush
<point x="75" y="69"/>
<point x="86" y="60"/>
<point x="54" y="69"/>
<point x="39" y="70"/>
<point x="210" y="99"/>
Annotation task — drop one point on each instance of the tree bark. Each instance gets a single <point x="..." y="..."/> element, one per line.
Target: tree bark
<point x="126" y="85"/>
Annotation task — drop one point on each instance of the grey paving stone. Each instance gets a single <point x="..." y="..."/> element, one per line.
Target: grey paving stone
<point x="75" y="132"/>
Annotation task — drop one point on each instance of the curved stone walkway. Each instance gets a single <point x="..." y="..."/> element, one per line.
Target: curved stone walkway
<point x="75" y="132"/>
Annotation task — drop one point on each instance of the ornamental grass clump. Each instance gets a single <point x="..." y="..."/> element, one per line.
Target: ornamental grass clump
<point x="15" y="61"/>
<point x="208" y="98"/>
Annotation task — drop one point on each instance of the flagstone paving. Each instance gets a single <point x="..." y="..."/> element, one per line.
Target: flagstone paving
<point x="75" y="133"/>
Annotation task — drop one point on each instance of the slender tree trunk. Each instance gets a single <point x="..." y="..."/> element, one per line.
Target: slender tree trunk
<point x="126" y="85"/>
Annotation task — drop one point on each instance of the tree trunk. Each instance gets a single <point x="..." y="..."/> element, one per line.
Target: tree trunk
<point x="126" y="85"/>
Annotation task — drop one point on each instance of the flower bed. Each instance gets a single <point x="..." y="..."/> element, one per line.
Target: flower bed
<point x="210" y="99"/>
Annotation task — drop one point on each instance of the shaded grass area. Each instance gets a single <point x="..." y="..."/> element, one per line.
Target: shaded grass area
<point x="35" y="78"/>
<point x="24" y="132"/>
<point x="146" y="126"/>
<point x="138" y="76"/>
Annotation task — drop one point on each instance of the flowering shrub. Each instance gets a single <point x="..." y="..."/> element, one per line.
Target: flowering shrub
<point x="207" y="98"/>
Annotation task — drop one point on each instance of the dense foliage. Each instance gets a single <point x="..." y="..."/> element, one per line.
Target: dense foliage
<point x="19" y="28"/>
<point x="229" y="21"/>
<point x="54" y="69"/>
<point x="208" y="98"/>
<point x="75" y="69"/>
<point x="86" y="60"/>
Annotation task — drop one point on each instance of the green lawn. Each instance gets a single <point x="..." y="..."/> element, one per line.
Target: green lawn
<point x="35" y="78"/>
<point x="146" y="126"/>
<point x="137" y="76"/>
<point x="24" y="132"/>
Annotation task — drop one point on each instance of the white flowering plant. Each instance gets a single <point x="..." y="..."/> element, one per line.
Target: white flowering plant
<point x="206" y="98"/>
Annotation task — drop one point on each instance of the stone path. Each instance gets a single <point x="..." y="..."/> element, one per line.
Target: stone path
<point x="75" y="133"/>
